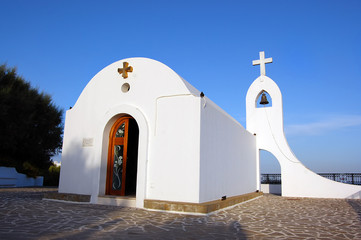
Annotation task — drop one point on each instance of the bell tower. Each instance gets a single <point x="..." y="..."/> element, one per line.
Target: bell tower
<point x="266" y="123"/>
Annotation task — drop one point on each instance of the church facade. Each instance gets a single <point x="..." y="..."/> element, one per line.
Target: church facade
<point x="140" y="132"/>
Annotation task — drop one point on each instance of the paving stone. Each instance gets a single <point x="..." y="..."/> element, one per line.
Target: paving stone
<point x="24" y="215"/>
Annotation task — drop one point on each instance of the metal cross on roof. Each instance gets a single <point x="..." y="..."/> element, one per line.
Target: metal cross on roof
<point x="262" y="62"/>
<point x="124" y="71"/>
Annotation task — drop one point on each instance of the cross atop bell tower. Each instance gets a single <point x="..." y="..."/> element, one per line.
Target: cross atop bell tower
<point x="262" y="62"/>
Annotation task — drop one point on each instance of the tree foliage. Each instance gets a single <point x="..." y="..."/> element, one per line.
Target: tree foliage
<point x="30" y="125"/>
<point x="51" y="177"/>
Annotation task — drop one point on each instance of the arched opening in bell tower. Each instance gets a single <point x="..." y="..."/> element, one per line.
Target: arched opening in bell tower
<point x="263" y="99"/>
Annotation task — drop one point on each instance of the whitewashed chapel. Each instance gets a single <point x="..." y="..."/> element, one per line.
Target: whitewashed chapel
<point x="139" y="135"/>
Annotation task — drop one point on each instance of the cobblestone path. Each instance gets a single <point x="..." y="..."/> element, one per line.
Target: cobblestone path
<point x="23" y="215"/>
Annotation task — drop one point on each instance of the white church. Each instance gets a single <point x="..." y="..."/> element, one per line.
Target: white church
<point x="141" y="136"/>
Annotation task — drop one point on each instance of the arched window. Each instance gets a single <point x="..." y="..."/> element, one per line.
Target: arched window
<point x="264" y="99"/>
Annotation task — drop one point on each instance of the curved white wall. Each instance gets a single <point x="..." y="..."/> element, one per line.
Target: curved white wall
<point x="267" y="124"/>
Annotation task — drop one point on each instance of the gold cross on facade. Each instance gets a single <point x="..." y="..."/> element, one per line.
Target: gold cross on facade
<point x="262" y="62"/>
<point x="124" y="71"/>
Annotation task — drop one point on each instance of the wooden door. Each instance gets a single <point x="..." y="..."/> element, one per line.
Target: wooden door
<point x="122" y="157"/>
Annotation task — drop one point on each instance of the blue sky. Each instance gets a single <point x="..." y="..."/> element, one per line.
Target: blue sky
<point x="59" y="46"/>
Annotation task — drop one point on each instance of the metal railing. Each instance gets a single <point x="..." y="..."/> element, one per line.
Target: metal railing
<point x="351" y="178"/>
<point x="271" y="178"/>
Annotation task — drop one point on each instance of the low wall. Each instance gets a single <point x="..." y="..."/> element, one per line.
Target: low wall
<point x="9" y="177"/>
<point x="272" y="188"/>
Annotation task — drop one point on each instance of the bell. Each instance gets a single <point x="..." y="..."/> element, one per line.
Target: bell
<point x="264" y="100"/>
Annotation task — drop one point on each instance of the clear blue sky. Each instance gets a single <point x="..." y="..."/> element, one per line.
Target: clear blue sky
<point x="316" y="47"/>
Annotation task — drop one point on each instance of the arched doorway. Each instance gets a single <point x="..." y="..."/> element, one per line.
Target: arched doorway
<point x="122" y="157"/>
<point x="270" y="169"/>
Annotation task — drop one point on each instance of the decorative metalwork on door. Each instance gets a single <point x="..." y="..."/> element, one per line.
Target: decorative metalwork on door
<point x="122" y="157"/>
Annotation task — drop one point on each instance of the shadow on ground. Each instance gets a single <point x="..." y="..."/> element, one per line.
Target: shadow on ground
<point x="24" y="216"/>
<point x="356" y="205"/>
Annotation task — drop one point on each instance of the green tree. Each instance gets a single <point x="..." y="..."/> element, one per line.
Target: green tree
<point x="30" y="125"/>
<point x="51" y="177"/>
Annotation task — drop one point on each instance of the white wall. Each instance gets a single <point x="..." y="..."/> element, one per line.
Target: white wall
<point x="76" y="170"/>
<point x="228" y="155"/>
<point x="271" y="188"/>
<point x="9" y="177"/>
<point x="173" y="174"/>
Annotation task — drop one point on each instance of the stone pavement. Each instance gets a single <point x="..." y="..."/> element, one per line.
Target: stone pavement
<point x="23" y="215"/>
